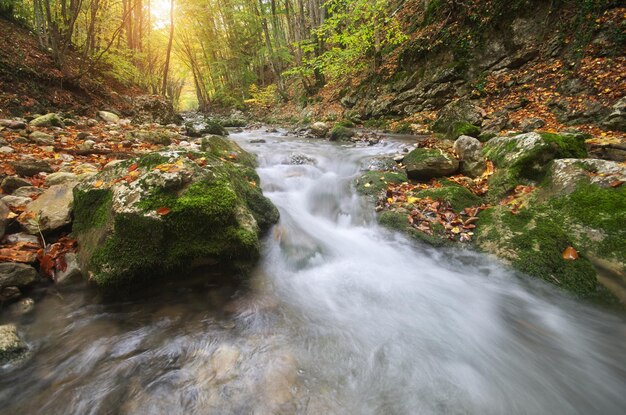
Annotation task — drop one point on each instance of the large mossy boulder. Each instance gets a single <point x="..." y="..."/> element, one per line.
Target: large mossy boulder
<point x="427" y="163"/>
<point x="166" y="212"/>
<point x="373" y="183"/>
<point x="525" y="158"/>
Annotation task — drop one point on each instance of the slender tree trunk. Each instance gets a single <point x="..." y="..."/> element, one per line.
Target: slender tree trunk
<point x="169" y="49"/>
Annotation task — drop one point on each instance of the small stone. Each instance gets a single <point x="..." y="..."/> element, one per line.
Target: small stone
<point x="29" y="168"/>
<point x="4" y="215"/>
<point x="319" y="129"/>
<point x="41" y="138"/>
<point x="22" y="307"/>
<point x="86" y="145"/>
<point x="48" y="120"/>
<point x="532" y="124"/>
<point x="108" y="117"/>
<point x="11" y="183"/>
<point x="9" y="294"/>
<point x="11" y="346"/>
<point x="6" y="150"/>
<point x="28" y="191"/>
<point x="91" y="122"/>
<point x="82" y="135"/>
<point x="257" y="141"/>
<point x="15" y="202"/>
<point x="53" y="210"/>
<point x="13" y="124"/>
<point x="13" y="274"/>
<point x="72" y="270"/>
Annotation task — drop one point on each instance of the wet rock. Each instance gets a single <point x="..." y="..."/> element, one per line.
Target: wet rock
<point x="60" y="178"/>
<point x="340" y="133"/>
<point x="13" y="274"/>
<point x="9" y="294"/>
<point x="4" y="215"/>
<point x="41" y="138"/>
<point x="301" y="159"/>
<point x="319" y="129"/>
<point x="425" y="164"/>
<point x="469" y="150"/>
<point x="532" y="124"/>
<point x="12" y="183"/>
<point x="48" y="120"/>
<point x="224" y="363"/>
<point x="29" y="168"/>
<point x="51" y="211"/>
<point x="279" y="381"/>
<point x="108" y="117"/>
<point x="183" y="210"/>
<point x="258" y="141"/>
<point x="12" y="348"/>
<point x="72" y="270"/>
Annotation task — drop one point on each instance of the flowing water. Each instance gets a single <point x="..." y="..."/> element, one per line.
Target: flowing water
<point x="341" y="317"/>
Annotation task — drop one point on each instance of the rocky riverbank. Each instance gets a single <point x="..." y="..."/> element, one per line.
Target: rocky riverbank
<point x="119" y="200"/>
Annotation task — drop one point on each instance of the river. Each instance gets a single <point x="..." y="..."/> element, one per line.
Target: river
<point x="340" y="317"/>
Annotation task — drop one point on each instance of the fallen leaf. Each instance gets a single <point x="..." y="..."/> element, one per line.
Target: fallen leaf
<point x="616" y="183"/>
<point x="98" y="184"/>
<point x="133" y="167"/>
<point x="163" y="211"/>
<point x="570" y="254"/>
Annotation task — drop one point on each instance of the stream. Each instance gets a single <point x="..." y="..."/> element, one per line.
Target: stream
<point x="340" y="317"/>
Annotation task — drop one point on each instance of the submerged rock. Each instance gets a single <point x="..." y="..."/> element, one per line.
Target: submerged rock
<point x="168" y="211"/>
<point x="12" y="348"/>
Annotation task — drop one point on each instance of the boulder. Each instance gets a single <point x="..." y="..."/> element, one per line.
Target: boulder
<point x="29" y="168"/>
<point x="108" y="117"/>
<point x="205" y="127"/>
<point x="469" y="150"/>
<point x="12" y="348"/>
<point x="425" y="164"/>
<point x="154" y="109"/>
<point x="340" y="133"/>
<point x="41" y="138"/>
<point x="48" y="120"/>
<point x="174" y="211"/>
<point x="4" y="215"/>
<point x="319" y="129"/>
<point x="13" y="274"/>
<point x="51" y="211"/>
<point x="460" y="117"/>
<point x="12" y="183"/>
<point x="16" y="202"/>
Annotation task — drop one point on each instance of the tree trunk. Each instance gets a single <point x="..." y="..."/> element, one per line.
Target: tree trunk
<point x="169" y="50"/>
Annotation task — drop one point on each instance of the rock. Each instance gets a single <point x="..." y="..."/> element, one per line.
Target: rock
<point x="12" y="348"/>
<point x="29" y="168"/>
<point x="13" y="124"/>
<point x="154" y="109"/>
<point x="458" y="118"/>
<point x="72" y="270"/>
<point x="258" y="141"/>
<point x="82" y="135"/>
<point x="4" y="217"/>
<point x="108" y="117"/>
<point x="160" y="136"/>
<point x="12" y="183"/>
<point x="86" y="145"/>
<point x="616" y="120"/>
<point x="424" y="164"/>
<point x="13" y="274"/>
<point x="180" y="212"/>
<point x="566" y="174"/>
<point x="41" y="138"/>
<point x="48" y="120"/>
<point x="60" y="178"/>
<point x="51" y="211"/>
<point x="204" y="128"/>
<point x="6" y="150"/>
<point x="532" y="124"/>
<point x="301" y="159"/>
<point x="9" y="294"/>
<point x="319" y="129"/>
<point x="28" y="191"/>
<point x="340" y="133"/>
<point x="469" y="150"/>
<point x="15" y="238"/>
<point x="15" y="202"/>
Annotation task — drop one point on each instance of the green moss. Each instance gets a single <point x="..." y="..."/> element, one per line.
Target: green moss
<point x="91" y="209"/>
<point x="223" y="148"/>
<point x="346" y="124"/>
<point x="420" y="154"/>
<point x="566" y="145"/>
<point x="373" y="183"/>
<point x="501" y="183"/>
<point x="459" y="197"/>
<point x="402" y="128"/>
<point x="340" y="133"/>
<point x="486" y="136"/>
<point x="398" y="221"/>
<point x="464" y="128"/>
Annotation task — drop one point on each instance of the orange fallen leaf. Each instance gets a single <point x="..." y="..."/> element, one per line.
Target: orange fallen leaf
<point x="616" y="183"/>
<point x="98" y="184"/>
<point x="133" y="167"/>
<point x="163" y="211"/>
<point x="570" y="254"/>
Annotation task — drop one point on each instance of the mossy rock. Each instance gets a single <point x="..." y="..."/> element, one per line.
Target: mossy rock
<point x="590" y="219"/>
<point x="339" y="133"/>
<point x="458" y="118"/>
<point x="398" y="221"/>
<point x="183" y="210"/>
<point x="373" y="183"/>
<point x="224" y="148"/>
<point x="426" y="163"/>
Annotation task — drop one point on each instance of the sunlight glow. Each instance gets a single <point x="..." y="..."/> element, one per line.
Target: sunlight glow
<point x="160" y="11"/>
